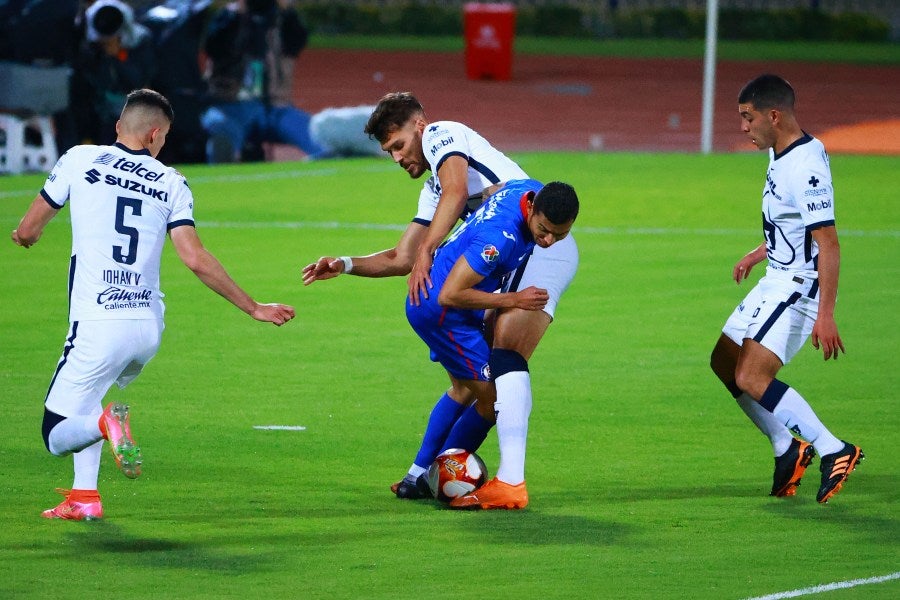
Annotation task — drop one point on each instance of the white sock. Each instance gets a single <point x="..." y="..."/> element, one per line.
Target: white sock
<point x="87" y="467"/>
<point x="767" y="423"/>
<point x="798" y="415"/>
<point x="74" y="433"/>
<point x="414" y="472"/>
<point x="513" y="407"/>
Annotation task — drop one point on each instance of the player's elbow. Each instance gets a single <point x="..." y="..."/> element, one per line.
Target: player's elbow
<point x="447" y="299"/>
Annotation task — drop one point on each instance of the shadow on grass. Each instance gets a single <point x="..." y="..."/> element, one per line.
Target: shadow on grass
<point x="538" y="528"/>
<point x="101" y="539"/>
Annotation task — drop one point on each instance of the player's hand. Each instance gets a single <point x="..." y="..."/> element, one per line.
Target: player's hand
<point x="326" y="267"/>
<point x="279" y="314"/>
<point x="19" y="241"/>
<point x="742" y="269"/>
<point x="531" y="298"/>
<point x="825" y="335"/>
<point x="419" y="280"/>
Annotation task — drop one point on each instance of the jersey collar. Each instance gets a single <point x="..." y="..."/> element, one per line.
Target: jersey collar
<point x="805" y="139"/>
<point x="523" y="202"/>
<point x="125" y="148"/>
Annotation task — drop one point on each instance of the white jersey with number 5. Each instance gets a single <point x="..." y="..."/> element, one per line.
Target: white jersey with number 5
<point x="798" y="198"/>
<point x="122" y="204"/>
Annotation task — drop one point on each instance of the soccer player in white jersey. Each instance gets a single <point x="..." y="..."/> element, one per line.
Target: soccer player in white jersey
<point x="122" y="203"/>
<point x="462" y="165"/>
<point x="794" y="300"/>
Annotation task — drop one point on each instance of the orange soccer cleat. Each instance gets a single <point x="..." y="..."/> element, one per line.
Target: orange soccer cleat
<point x="79" y="505"/>
<point x="492" y="495"/>
<point x="836" y="468"/>
<point x="116" y="430"/>
<point x="790" y="467"/>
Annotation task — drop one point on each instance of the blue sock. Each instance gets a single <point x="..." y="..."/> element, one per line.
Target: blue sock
<point x="469" y="431"/>
<point x="444" y="414"/>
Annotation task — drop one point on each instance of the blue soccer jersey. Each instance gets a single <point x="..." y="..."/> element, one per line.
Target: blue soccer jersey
<point x="494" y="240"/>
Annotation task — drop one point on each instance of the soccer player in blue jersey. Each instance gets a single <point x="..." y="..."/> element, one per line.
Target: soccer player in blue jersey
<point x="465" y="168"/>
<point x="794" y="300"/>
<point x="467" y="269"/>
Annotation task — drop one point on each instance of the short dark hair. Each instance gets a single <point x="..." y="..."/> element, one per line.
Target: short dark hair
<point x="392" y="113"/>
<point x="557" y="201"/>
<point x="151" y="99"/>
<point x="766" y="92"/>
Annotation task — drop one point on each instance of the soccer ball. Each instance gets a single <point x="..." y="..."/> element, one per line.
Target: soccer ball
<point x="455" y="473"/>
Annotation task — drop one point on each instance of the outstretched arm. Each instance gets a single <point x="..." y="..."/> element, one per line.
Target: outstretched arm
<point x="387" y="263"/>
<point x="211" y="272"/>
<point x="32" y="224"/>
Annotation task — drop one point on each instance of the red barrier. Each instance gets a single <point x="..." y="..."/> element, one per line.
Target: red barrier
<point x="489" y="30"/>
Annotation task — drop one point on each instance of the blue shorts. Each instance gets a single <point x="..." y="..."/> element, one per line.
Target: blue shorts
<point x="455" y="338"/>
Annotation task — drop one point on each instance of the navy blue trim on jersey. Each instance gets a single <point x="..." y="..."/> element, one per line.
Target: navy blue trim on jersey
<point x="71" y="282"/>
<point x="813" y="289"/>
<point x="481" y="168"/>
<point x="774" y="317"/>
<point x="473" y="164"/>
<point x="820" y="225"/>
<point x="516" y="279"/>
<point x="179" y="223"/>
<point x="70" y="343"/>
<point x="49" y="200"/>
<point x="124" y="148"/>
<point x="422" y="222"/>
<point x="803" y="140"/>
<point x="437" y="167"/>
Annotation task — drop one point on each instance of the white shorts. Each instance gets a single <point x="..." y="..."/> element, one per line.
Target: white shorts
<point x="96" y="355"/>
<point x="550" y="268"/>
<point x="778" y="313"/>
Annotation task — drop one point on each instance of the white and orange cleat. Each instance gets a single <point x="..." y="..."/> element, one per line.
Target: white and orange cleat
<point x="79" y="505"/>
<point x="116" y="430"/>
<point x="495" y="494"/>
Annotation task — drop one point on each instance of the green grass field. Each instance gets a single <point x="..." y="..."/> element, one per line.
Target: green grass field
<point x="646" y="480"/>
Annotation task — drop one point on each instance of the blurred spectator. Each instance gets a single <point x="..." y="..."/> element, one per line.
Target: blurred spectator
<point x="115" y="57"/>
<point x="177" y="28"/>
<point x="252" y="46"/>
<point x="41" y="33"/>
<point x="26" y="27"/>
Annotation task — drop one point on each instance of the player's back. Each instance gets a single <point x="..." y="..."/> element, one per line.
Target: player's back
<point x="122" y="204"/>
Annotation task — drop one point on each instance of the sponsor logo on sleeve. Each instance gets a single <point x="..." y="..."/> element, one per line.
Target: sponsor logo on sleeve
<point x="490" y="253"/>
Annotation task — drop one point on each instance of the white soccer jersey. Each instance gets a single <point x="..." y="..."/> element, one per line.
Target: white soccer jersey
<point x="487" y="165"/>
<point x="798" y="198"/>
<point x="122" y="203"/>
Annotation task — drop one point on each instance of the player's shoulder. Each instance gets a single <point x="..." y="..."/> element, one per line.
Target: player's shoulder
<point x="444" y="130"/>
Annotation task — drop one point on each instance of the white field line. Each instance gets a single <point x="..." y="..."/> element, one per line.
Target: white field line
<point x="575" y="230"/>
<point x="885" y="233"/>
<point x="829" y="587"/>
<point x="280" y="427"/>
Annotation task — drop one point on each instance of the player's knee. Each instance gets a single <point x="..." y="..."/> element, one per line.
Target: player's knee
<point x="751" y="382"/>
<point x="51" y="420"/>
<point x="505" y="361"/>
